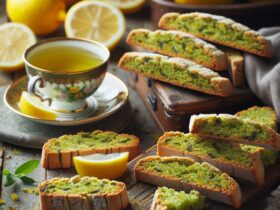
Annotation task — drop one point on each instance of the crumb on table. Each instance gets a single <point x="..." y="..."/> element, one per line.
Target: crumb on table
<point x="14" y="197"/>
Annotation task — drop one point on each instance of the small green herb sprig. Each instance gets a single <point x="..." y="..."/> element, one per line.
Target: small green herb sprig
<point x="21" y="173"/>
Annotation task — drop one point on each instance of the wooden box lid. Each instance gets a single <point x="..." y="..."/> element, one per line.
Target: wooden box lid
<point x="178" y="100"/>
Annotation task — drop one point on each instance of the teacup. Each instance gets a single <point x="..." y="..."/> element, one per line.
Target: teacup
<point x="65" y="89"/>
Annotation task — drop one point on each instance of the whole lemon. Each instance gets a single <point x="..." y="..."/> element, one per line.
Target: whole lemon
<point x="42" y="16"/>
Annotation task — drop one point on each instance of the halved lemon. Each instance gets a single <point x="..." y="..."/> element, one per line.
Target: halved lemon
<point x="15" y="38"/>
<point x="96" y="20"/>
<point x="31" y="105"/>
<point x="109" y="166"/>
<point x="129" y="6"/>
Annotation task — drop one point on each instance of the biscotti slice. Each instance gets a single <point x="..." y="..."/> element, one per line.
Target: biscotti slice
<point x="183" y="173"/>
<point x="179" y="44"/>
<point x="58" y="152"/>
<point x="232" y="128"/>
<point x="267" y="116"/>
<point x="236" y="67"/>
<point x="226" y="156"/>
<point x="218" y="29"/>
<point x="177" y="71"/>
<point x="169" y="199"/>
<point x="84" y="193"/>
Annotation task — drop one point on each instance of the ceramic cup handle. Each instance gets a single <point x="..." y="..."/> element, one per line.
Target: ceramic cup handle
<point x="31" y="88"/>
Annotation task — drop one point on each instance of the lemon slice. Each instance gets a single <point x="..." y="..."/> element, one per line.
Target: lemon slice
<point x="96" y="20"/>
<point x="31" y="105"/>
<point x="128" y="6"/>
<point x="15" y="38"/>
<point x="110" y="166"/>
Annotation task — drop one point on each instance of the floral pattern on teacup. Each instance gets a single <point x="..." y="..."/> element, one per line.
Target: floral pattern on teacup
<point x="71" y="93"/>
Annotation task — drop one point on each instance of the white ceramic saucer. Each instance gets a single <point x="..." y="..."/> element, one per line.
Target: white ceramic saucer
<point x="110" y="97"/>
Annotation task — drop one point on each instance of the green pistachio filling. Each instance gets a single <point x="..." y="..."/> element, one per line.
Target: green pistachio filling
<point x="179" y="200"/>
<point x="190" y="172"/>
<point x="266" y="116"/>
<point x="170" y="71"/>
<point x="84" y="185"/>
<point x="214" y="149"/>
<point x="220" y="30"/>
<point x="232" y="127"/>
<point x="166" y="41"/>
<point x="268" y="157"/>
<point x="262" y="115"/>
<point x="96" y="139"/>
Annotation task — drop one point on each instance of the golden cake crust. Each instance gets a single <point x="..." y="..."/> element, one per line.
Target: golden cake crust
<point x="54" y="159"/>
<point x="254" y="173"/>
<point x="231" y="195"/>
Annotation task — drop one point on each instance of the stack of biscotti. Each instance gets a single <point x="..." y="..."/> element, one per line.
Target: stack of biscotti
<point x="169" y="199"/>
<point x="267" y="116"/>
<point x="228" y="157"/>
<point x="182" y="173"/>
<point x="235" y="129"/>
<point x="58" y="152"/>
<point x="239" y="160"/>
<point x="84" y="193"/>
<point x="184" y="37"/>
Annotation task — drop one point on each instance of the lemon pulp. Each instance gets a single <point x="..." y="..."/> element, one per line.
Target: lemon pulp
<point x="95" y="20"/>
<point x="15" y="38"/>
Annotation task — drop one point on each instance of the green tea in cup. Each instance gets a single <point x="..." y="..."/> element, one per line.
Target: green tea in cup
<point x="65" y="58"/>
<point x="65" y="71"/>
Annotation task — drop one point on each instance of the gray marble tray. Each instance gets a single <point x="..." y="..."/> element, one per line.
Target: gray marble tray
<point x="18" y="131"/>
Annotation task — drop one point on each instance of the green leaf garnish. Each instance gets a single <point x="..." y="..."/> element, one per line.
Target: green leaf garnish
<point x="6" y="172"/>
<point x="9" y="180"/>
<point x="21" y="172"/>
<point x="27" y="167"/>
<point x="27" y="180"/>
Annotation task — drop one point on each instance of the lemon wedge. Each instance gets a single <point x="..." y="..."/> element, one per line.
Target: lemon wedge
<point x="30" y="104"/>
<point x="109" y="166"/>
<point x="128" y="6"/>
<point x="15" y="38"/>
<point x="95" y="20"/>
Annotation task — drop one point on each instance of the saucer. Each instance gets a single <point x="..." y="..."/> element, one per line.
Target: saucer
<point x="109" y="97"/>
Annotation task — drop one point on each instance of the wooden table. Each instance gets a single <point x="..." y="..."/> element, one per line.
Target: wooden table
<point x="141" y="125"/>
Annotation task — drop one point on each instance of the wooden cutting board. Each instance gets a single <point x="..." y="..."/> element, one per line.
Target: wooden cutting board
<point x="141" y="194"/>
